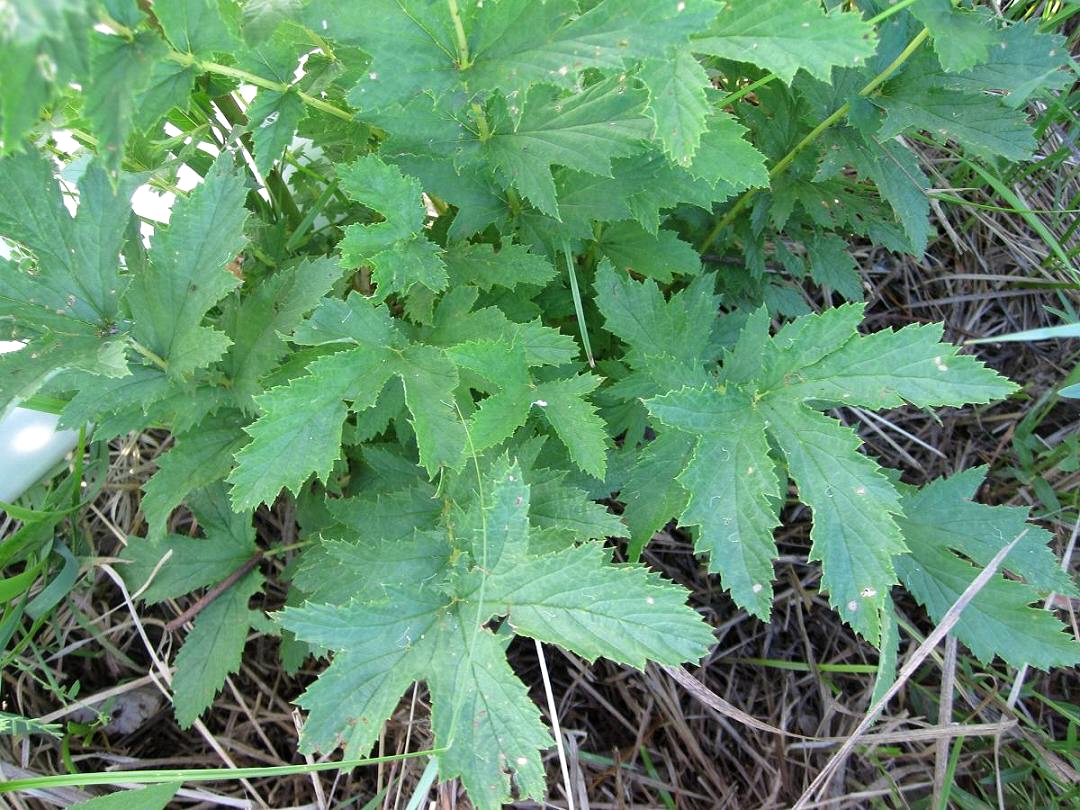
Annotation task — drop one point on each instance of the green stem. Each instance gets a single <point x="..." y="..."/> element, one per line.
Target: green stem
<point x="459" y="32"/>
<point x="259" y="81"/>
<point x="149" y="355"/>
<point x="812" y="136"/>
<point x="198" y="774"/>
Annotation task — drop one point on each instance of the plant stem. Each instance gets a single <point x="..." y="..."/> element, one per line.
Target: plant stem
<point x="812" y="136"/>
<point x="149" y="355"/>
<point x="459" y="32"/>
<point x="207" y="598"/>
<point x="259" y="81"/>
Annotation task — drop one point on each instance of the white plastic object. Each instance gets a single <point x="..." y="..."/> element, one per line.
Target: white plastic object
<point x="30" y="446"/>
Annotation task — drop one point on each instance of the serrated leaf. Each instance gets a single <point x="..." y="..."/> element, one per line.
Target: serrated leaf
<point x="274" y="118"/>
<point x="187" y="274"/>
<point x="196" y="460"/>
<point x="78" y="271"/>
<point x="399" y="254"/>
<point x="212" y="649"/>
<point x="520" y="43"/>
<point x="677" y="102"/>
<point x="43" y="47"/>
<point x="999" y="620"/>
<point x="576" y="421"/>
<point x="192" y="563"/>
<point x="299" y="432"/>
<point x="1022" y="62"/>
<point x="585" y="132"/>
<point x="339" y="570"/>
<point x="481" y="705"/>
<point x="561" y="514"/>
<point x="430" y="380"/>
<point x="854" y="535"/>
<point x="652" y="493"/>
<point x="976" y="121"/>
<point x="894" y="169"/>
<point x="733" y="488"/>
<point x="656" y="329"/>
<point x="660" y="256"/>
<point x="887" y="369"/>
<point x="273" y="308"/>
<point x="786" y="35"/>
<point x="169" y="85"/>
<point x="574" y="599"/>
<point x="962" y="38"/>
<point x="382" y="647"/>
<point x="199" y="27"/>
<point x="833" y="267"/>
<point x="121" y="70"/>
<point x="512" y="265"/>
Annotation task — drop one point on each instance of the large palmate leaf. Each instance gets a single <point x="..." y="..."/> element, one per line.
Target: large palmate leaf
<point x="768" y="387"/>
<point x="480" y="708"/>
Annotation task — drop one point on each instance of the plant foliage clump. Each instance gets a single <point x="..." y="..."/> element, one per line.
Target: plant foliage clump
<point x="440" y="283"/>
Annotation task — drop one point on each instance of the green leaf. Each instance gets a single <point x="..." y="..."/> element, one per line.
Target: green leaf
<point x="575" y="599"/>
<point x="339" y="570"/>
<point x="677" y="102"/>
<point x="430" y="380"/>
<point x="561" y="514"/>
<point x="512" y="265"/>
<point x="274" y="118"/>
<point x="484" y="708"/>
<point x="192" y="563"/>
<point x="199" y="27"/>
<point x="786" y="35"/>
<point x="894" y="169"/>
<point x="197" y="459"/>
<point x="273" y="308"/>
<point x="976" y="121"/>
<point x="169" y="85"/>
<point x="187" y="274"/>
<point x="151" y="797"/>
<point x="212" y="649"/>
<point x="887" y="369"/>
<point x="382" y="648"/>
<point x="733" y="489"/>
<point x="121" y="70"/>
<point x="1022" y="62"/>
<point x="999" y="620"/>
<point x="657" y="330"/>
<point x="43" y="47"/>
<point x="521" y="43"/>
<point x="77" y="282"/>
<point x="962" y="38"/>
<point x="634" y="250"/>
<point x="299" y="431"/>
<point x="576" y="421"/>
<point x="585" y="132"/>
<point x="833" y="267"/>
<point x="652" y="493"/>
<point x="854" y="535"/>
<point x="398" y="252"/>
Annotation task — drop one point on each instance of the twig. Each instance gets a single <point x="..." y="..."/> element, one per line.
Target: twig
<point x="204" y="601"/>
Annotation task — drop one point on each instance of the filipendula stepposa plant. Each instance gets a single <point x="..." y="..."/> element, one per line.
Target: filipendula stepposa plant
<point x="440" y="284"/>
